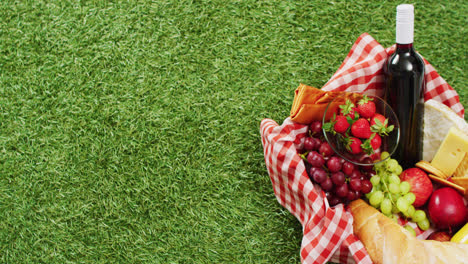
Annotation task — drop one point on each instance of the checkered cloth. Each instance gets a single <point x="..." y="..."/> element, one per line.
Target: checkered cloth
<point x="328" y="232"/>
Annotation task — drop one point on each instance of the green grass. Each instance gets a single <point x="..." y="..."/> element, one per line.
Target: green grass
<point x="129" y="131"/>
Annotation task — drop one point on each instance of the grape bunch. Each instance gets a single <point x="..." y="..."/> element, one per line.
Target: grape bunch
<point x="342" y="181"/>
<point x="392" y="196"/>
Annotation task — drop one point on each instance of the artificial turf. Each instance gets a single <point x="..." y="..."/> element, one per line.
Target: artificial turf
<point x="129" y="130"/>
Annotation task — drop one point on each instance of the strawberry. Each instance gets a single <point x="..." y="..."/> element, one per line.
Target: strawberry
<point x="348" y="109"/>
<point x="375" y="141"/>
<point x="371" y="144"/>
<point x="341" y="124"/>
<point x="361" y="128"/>
<point x="366" y="108"/>
<point x="352" y="112"/>
<point x="375" y="156"/>
<point x="380" y="118"/>
<point x="380" y="125"/>
<point x="354" y="145"/>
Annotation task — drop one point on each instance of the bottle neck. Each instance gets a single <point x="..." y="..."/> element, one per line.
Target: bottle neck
<point x="405" y="24"/>
<point x="404" y="47"/>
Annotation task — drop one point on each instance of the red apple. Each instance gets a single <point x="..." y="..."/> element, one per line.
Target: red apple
<point x="420" y="183"/>
<point x="447" y="208"/>
<point x="440" y="236"/>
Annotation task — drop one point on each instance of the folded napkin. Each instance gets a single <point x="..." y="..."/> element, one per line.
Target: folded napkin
<point x="311" y="103"/>
<point x="328" y="232"/>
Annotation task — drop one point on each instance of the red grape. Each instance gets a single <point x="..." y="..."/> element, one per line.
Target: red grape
<point x="315" y="127"/>
<point x="352" y="195"/>
<point x="319" y="175"/>
<point x="347" y="168"/>
<point x="334" y="164"/>
<point x="315" y="159"/>
<point x="338" y="178"/>
<point x="318" y="142"/>
<point x="342" y="191"/>
<point x="359" y="194"/>
<point x="369" y="174"/>
<point x="327" y="184"/>
<point x="367" y="160"/>
<point x="366" y="186"/>
<point x="309" y="143"/>
<point x="334" y="201"/>
<point x="311" y="171"/>
<point x="355" y="184"/>
<point x="325" y="149"/>
<point x="355" y="174"/>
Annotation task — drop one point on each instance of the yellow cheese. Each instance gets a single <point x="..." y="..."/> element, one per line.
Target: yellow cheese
<point x="462" y="169"/>
<point x="438" y="119"/>
<point x="451" y="152"/>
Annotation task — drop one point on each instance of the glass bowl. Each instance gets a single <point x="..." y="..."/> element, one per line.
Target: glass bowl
<point x="337" y="142"/>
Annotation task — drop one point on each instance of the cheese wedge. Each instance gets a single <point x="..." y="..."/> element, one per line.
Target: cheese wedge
<point x="438" y="119"/>
<point x="451" y="152"/>
<point x="462" y="169"/>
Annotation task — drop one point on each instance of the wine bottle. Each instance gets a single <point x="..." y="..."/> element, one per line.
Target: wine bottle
<point x="404" y="89"/>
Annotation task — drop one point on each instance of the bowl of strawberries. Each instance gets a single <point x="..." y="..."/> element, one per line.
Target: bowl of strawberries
<point x="359" y="127"/>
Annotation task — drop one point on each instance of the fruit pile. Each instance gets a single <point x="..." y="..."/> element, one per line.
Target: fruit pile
<point x="359" y="128"/>
<point x="392" y="195"/>
<point x="341" y="180"/>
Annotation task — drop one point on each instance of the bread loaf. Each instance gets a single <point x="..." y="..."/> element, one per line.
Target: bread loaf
<point x="388" y="242"/>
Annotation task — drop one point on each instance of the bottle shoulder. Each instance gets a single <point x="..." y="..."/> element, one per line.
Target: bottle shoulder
<point x="405" y="61"/>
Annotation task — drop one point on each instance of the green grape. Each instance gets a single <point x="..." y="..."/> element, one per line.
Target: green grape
<point x="394" y="217"/>
<point x="394" y="188"/>
<point x="405" y="187"/>
<point x="394" y="179"/>
<point x="424" y="224"/>
<point x="398" y="170"/>
<point x="375" y="180"/>
<point x="386" y="206"/>
<point x="376" y="198"/>
<point x="395" y="196"/>
<point x="388" y="215"/>
<point x="391" y="165"/>
<point x="410" y="197"/>
<point x="411" y="230"/>
<point x="384" y="155"/>
<point x="368" y="195"/>
<point x="419" y="215"/>
<point x="377" y="187"/>
<point x="402" y="204"/>
<point x="379" y="167"/>
<point x="382" y="172"/>
<point x="410" y="211"/>
<point x="395" y="210"/>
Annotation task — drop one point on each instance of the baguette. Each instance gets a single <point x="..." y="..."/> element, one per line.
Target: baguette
<point x="388" y="242"/>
